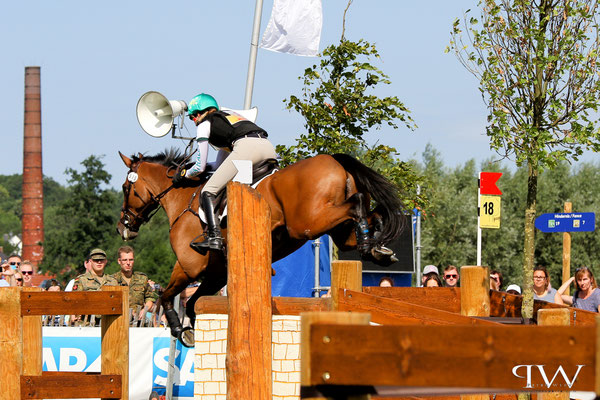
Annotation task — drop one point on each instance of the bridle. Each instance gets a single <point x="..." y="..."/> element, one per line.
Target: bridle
<point x="132" y="219"/>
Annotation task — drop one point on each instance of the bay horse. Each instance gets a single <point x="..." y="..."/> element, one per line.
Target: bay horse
<point x="325" y="194"/>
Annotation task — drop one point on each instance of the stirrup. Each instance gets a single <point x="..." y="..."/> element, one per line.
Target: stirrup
<point x="209" y="243"/>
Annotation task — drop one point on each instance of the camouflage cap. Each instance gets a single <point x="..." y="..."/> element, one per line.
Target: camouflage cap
<point x="97" y="254"/>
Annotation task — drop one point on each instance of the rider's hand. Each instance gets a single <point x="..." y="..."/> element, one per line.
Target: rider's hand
<point x="179" y="178"/>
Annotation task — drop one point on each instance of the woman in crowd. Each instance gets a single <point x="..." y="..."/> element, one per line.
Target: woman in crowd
<point x="433" y="280"/>
<point x="541" y="285"/>
<point x="587" y="294"/>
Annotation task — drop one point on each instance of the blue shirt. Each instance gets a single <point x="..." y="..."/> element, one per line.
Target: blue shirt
<point x="589" y="304"/>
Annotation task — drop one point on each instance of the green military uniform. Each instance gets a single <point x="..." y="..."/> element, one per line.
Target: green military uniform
<point x="139" y="288"/>
<point x="92" y="282"/>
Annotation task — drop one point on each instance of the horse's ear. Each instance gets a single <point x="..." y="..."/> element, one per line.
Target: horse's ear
<point x="125" y="159"/>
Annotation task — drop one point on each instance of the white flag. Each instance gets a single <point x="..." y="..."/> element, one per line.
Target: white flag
<point x="294" y="27"/>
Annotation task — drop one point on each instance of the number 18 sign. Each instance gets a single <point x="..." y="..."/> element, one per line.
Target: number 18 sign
<point x="489" y="209"/>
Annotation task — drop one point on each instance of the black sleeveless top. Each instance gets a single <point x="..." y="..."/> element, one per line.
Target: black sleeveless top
<point x="226" y="128"/>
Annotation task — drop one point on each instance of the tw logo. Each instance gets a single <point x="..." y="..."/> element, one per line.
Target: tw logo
<point x="540" y="368"/>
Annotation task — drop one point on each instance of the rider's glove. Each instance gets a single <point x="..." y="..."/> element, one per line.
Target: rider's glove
<point x="179" y="178"/>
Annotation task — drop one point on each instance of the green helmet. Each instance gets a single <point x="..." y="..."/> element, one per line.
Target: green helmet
<point x="201" y="103"/>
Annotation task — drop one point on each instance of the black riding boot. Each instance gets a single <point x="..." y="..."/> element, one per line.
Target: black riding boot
<point x="213" y="240"/>
<point x="363" y="244"/>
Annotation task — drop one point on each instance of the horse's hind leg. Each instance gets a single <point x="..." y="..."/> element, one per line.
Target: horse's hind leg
<point x="179" y="280"/>
<point x="363" y="242"/>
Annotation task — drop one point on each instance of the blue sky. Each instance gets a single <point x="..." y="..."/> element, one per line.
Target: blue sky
<point x="97" y="59"/>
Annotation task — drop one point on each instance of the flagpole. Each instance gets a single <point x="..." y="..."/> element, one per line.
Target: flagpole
<point x="253" y="53"/>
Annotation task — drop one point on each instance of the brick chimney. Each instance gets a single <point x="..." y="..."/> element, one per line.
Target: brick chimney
<point x="33" y="193"/>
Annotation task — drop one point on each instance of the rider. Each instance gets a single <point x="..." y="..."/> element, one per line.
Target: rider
<point x="238" y="139"/>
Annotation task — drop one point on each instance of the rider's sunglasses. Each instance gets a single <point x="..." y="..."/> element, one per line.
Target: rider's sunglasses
<point x="194" y="116"/>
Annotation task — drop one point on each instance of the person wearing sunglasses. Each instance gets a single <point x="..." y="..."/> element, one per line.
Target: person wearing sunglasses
<point x="541" y="285"/>
<point x="237" y="139"/>
<point x="26" y="270"/>
<point x="14" y="260"/>
<point x="587" y="294"/>
<point x="18" y="279"/>
<point x="451" y="276"/>
<point x="6" y="275"/>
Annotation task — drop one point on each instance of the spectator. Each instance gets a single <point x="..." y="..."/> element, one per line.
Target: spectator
<point x="496" y="280"/>
<point x="14" y="260"/>
<point x="513" y="289"/>
<point x="451" y="276"/>
<point x="386" y="281"/>
<point x="26" y="269"/>
<point x="433" y="280"/>
<point x="541" y="285"/>
<point x="95" y="277"/>
<point x="18" y="279"/>
<point x="7" y="275"/>
<point x="141" y="294"/>
<point x="428" y="271"/>
<point x="587" y="294"/>
<point x="53" y="286"/>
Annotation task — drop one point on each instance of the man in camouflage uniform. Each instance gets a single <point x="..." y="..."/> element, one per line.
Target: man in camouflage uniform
<point x="140" y="292"/>
<point x="94" y="278"/>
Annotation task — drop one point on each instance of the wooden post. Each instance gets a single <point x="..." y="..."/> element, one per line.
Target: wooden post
<point x="11" y="339"/>
<point x="554" y="317"/>
<point x="345" y="274"/>
<point x="249" y="331"/>
<point x="566" y="257"/>
<point x="329" y="317"/>
<point x="475" y="291"/>
<point x="475" y="301"/>
<point x="32" y="340"/>
<point x="115" y="340"/>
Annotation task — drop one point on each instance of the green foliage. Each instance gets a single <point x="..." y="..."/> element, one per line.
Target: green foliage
<point x="339" y="108"/>
<point x="537" y="67"/>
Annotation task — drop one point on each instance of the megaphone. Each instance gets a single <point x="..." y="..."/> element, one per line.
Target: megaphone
<point x="156" y="113"/>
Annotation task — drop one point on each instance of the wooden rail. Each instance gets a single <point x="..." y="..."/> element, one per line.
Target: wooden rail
<point x="21" y="375"/>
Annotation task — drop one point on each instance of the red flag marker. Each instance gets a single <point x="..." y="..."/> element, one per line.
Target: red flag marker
<point x="487" y="182"/>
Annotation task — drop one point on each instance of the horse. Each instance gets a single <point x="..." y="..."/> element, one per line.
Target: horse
<point x="325" y="194"/>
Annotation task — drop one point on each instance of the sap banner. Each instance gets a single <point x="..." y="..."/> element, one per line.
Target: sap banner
<point x="78" y="349"/>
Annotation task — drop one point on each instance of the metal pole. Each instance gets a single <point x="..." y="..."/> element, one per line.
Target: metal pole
<point x="253" y="52"/>
<point x="418" y="240"/>
<point x="172" y="356"/>
<point x="478" y="221"/>
<point x="317" y="244"/>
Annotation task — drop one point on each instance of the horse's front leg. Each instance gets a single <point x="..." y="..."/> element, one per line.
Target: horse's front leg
<point x="179" y="281"/>
<point x="214" y="277"/>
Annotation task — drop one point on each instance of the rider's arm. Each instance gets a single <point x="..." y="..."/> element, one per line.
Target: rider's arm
<point x="202" y="134"/>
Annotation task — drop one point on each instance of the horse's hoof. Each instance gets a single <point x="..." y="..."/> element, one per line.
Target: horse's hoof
<point x="186" y="337"/>
<point x="383" y="256"/>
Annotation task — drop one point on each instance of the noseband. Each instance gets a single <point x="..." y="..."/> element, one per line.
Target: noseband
<point x="131" y="218"/>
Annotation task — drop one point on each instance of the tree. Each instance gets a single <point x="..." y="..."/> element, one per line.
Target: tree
<point x="85" y="219"/>
<point x="536" y="64"/>
<point x="338" y="107"/>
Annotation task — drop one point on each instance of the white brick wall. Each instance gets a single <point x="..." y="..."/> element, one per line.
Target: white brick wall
<point x="211" y="347"/>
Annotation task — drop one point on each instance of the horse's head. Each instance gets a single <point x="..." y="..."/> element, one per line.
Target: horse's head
<point x="138" y="200"/>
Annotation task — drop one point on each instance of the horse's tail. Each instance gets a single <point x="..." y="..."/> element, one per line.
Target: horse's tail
<point x="384" y="192"/>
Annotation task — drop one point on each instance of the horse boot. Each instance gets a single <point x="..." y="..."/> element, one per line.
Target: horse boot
<point x="173" y="321"/>
<point x="213" y="240"/>
<point x="363" y="244"/>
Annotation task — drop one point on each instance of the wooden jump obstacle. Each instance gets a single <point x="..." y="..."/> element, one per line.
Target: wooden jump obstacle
<point x="343" y="358"/>
<point x="21" y="375"/>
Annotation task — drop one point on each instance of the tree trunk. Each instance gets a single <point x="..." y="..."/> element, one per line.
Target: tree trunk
<point x="529" y="247"/>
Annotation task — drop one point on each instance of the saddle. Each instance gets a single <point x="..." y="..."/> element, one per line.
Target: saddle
<point x="259" y="171"/>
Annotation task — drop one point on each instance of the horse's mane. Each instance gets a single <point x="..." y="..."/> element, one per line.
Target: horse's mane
<point x="168" y="157"/>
